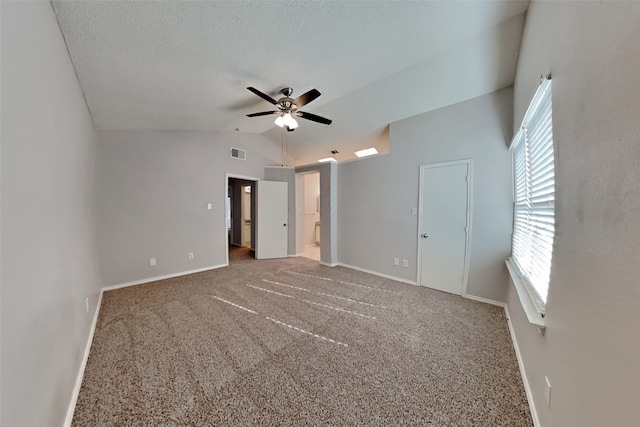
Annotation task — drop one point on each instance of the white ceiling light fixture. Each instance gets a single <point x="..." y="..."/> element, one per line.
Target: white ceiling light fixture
<point x="290" y="121"/>
<point x="286" y="119"/>
<point x="366" y="152"/>
<point x="327" y="159"/>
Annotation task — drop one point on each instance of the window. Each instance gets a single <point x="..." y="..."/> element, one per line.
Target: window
<point x="534" y="197"/>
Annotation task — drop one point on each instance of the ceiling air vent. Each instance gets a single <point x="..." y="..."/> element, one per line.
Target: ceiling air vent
<point x="237" y="153"/>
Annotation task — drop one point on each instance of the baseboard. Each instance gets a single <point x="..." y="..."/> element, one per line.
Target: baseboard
<point x="525" y="382"/>
<point x="485" y="300"/>
<point x="76" y="388"/>
<point x="166" y="276"/>
<point x="327" y="264"/>
<point x="376" y="273"/>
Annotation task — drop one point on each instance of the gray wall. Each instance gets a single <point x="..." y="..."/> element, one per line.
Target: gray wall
<point x="591" y="348"/>
<point x="153" y="189"/>
<point x="49" y="260"/>
<point x="288" y="175"/>
<point x="376" y="194"/>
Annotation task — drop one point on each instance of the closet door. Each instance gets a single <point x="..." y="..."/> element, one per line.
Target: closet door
<point x="444" y="216"/>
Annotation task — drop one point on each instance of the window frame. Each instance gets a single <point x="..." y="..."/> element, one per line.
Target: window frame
<point x="533" y="230"/>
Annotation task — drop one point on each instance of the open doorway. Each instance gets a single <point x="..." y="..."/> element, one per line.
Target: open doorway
<point x="241" y="215"/>
<point x="309" y="214"/>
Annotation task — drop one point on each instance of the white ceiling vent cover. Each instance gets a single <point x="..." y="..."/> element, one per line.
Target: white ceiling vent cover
<point x="237" y="153"/>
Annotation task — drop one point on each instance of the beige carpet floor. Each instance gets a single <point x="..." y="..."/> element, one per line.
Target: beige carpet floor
<point x="293" y="343"/>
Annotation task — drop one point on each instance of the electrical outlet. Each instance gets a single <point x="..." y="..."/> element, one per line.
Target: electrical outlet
<point x="190" y="255"/>
<point x="396" y="261"/>
<point x="405" y="263"/>
<point x="547" y="392"/>
<point x="86" y="303"/>
<point x="152" y="262"/>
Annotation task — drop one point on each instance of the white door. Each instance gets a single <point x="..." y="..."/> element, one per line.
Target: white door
<point x="246" y="216"/>
<point x="273" y="220"/>
<point x="443" y="241"/>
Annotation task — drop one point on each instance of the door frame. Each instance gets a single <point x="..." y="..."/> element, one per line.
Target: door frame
<point x="300" y="212"/>
<point x="226" y="191"/>
<point x="467" y="245"/>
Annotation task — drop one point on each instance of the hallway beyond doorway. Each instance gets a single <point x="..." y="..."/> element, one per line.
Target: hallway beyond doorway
<point x="312" y="252"/>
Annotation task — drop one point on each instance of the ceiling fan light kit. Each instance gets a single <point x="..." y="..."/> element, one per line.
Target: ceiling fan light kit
<point x="288" y="108"/>
<point x="285" y="119"/>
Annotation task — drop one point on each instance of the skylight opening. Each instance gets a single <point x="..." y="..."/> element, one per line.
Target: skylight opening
<point x="366" y="152"/>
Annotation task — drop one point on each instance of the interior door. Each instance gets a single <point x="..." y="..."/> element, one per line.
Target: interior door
<point x="246" y="216"/>
<point x="273" y="208"/>
<point x="444" y="191"/>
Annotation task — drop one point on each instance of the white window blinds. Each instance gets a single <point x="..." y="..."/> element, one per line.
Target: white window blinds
<point x="534" y="194"/>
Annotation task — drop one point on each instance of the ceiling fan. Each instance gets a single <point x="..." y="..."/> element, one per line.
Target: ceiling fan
<point x="288" y="108"/>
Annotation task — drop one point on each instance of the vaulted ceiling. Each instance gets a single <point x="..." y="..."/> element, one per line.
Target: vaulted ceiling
<point x="186" y="65"/>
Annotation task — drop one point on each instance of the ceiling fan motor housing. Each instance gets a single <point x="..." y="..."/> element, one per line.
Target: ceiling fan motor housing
<point x="287" y="104"/>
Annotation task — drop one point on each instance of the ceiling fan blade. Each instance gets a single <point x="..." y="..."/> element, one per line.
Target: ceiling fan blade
<point x="313" y="117"/>
<point x="306" y="97"/>
<point x="263" y="113"/>
<point x="262" y="95"/>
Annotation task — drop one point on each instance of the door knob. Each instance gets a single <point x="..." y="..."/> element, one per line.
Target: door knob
<point x="425" y="235"/>
<point x="284" y="225"/>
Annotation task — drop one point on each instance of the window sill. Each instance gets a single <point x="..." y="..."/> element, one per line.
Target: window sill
<point x="533" y="315"/>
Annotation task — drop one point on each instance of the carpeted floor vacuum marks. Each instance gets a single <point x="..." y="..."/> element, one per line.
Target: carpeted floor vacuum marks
<point x="289" y="342"/>
<point x="310" y="302"/>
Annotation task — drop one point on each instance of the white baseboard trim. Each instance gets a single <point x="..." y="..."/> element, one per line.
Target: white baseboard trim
<point x="485" y="300"/>
<point x="76" y="388"/>
<point x="525" y="382"/>
<point x="335" y="264"/>
<point x="376" y="273"/>
<point x="166" y="276"/>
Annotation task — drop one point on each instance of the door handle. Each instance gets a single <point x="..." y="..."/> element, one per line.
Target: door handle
<point x="424" y="236"/>
<point x="284" y="225"/>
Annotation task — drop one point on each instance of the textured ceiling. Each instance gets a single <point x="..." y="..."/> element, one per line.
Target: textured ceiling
<point x="186" y="65"/>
